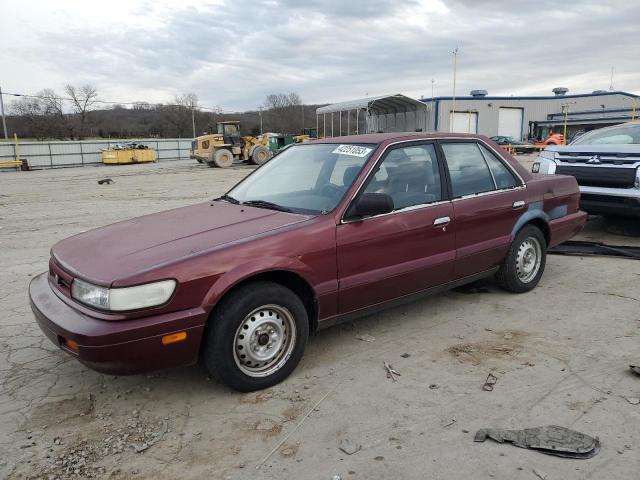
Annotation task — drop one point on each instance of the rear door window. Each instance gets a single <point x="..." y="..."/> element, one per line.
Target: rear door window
<point x="468" y="169"/>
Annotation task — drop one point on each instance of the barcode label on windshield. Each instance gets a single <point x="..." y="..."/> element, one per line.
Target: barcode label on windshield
<point x="353" y="150"/>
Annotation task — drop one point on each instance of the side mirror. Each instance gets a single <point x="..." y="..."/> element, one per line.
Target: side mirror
<point x="370" y="204"/>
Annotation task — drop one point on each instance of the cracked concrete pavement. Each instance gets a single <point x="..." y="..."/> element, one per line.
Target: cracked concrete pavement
<point x="560" y="353"/>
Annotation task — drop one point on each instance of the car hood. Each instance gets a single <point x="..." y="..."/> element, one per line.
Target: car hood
<point x="126" y="248"/>
<point x="609" y="148"/>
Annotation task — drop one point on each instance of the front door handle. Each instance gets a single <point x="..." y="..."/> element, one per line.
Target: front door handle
<point x="441" y="221"/>
<point x="518" y="204"/>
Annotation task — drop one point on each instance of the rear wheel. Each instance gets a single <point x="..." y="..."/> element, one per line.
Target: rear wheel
<point x="259" y="155"/>
<point x="221" y="158"/>
<point x="524" y="265"/>
<point x="256" y="336"/>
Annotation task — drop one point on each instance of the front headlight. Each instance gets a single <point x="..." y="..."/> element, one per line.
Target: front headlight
<point x="92" y="295"/>
<point x="545" y="163"/>
<point x="547" y="154"/>
<point x="123" y="299"/>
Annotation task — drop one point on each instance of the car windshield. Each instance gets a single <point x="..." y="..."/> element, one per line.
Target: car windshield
<point x="309" y="178"/>
<point x="621" y="135"/>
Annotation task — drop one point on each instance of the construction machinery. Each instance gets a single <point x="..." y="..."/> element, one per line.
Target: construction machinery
<point x="307" y="134"/>
<point x="221" y="149"/>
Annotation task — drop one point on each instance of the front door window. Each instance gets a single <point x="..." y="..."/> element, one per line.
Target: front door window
<point x="409" y="175"/>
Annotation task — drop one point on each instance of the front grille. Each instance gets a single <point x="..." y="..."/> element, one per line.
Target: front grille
<point x="600" y="176"/>
<point x="595" y="157"/>
<point x="61" y="279"/>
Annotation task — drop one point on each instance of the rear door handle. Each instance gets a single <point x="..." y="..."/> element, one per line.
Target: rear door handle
<point x="518" y="204"/>
<point x="442" y="221"/>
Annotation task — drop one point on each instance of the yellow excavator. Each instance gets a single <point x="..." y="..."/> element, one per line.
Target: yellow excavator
<point x="221" y="149"/>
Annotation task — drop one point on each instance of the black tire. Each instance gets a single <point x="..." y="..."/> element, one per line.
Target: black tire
<point x="513" y="275"/>
<point x="260" y="155"/>
<point x="231" y="318"/>
<point x="199" y="160"/>
<point x="221" y="158"/>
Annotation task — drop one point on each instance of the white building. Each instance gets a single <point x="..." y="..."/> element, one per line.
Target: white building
<point x="518" y="117"/>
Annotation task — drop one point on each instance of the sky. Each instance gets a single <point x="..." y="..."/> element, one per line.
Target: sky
<point x="232" y="54"/>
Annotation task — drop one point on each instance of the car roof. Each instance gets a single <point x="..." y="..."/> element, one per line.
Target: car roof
<point x="383" y="137"/>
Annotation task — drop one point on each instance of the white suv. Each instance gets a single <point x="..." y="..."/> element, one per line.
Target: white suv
<point x="605" y="163"/>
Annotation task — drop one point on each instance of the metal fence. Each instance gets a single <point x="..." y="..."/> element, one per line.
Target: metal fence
<point x="87" y="152"/>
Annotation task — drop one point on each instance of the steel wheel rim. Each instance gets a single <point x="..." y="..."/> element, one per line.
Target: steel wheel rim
<point x="264" y="340"/>
<point x="528" y="259"/>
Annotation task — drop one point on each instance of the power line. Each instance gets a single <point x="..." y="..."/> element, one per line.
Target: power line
<point x="213" y="109"/>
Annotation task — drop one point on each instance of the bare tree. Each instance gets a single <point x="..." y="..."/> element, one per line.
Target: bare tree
<point x="283" y="111"/>
<point x="82" y="99"/>
<point x="44" y="113"/>
<point x="32" y="111"/>
<point x="54" y="109"/>
<point x="189" y="100"/>
<point x="181" y="114"/>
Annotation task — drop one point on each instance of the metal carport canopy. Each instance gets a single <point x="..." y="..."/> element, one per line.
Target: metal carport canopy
<point x="382" y="104"/>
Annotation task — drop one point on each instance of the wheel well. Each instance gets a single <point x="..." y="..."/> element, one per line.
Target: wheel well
<point x="542" y="226"/>
<point x="294" y="282"/>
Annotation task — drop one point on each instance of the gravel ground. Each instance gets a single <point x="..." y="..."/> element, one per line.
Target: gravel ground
<point x="560" y="355"/>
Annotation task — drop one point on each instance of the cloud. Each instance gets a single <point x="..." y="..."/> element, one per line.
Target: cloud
<point x="234" y="53"/>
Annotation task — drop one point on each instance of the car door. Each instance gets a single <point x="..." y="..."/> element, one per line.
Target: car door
<point x="488" y="199"/>
<point x="410" y="249"/>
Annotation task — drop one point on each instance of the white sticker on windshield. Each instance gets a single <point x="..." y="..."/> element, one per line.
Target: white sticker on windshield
<point x="353" y="150"/>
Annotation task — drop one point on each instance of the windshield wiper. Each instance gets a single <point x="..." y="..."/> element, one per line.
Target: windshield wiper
<point x="228" y="198"/>
<point x="265" y="204"/>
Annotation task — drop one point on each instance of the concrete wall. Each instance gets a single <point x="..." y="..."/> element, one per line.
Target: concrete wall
<point x="88" y="152"/>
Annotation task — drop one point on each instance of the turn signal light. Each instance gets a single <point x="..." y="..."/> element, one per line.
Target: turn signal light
<point x="174" y="337"/>
<point x="70" y="344"/>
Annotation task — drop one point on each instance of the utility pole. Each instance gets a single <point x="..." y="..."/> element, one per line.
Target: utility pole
<point x="611" y="82"/>
<point x="193" y="119"/>
<point x="565" y="111"/>
<point x="453" y="100"/>
<point x="4" y="121"/>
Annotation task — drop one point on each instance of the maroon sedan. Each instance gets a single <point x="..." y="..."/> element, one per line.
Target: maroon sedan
<point x="325" y="231"/>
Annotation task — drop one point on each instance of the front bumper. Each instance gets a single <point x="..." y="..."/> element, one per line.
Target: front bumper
<point x="610" y="201"/>
<point x="118" y="347"/>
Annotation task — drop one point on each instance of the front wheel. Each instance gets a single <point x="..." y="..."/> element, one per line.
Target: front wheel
<point x="221" y="158"/>
<point x="524" y="265"/>
<point x="259" y="155"/>
<point x="256" y="336"/>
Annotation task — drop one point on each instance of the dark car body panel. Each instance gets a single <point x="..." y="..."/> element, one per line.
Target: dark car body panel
<point x="119" y="253"/>
<point x="387" y="256"/>
<point x="350" y="267"/>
